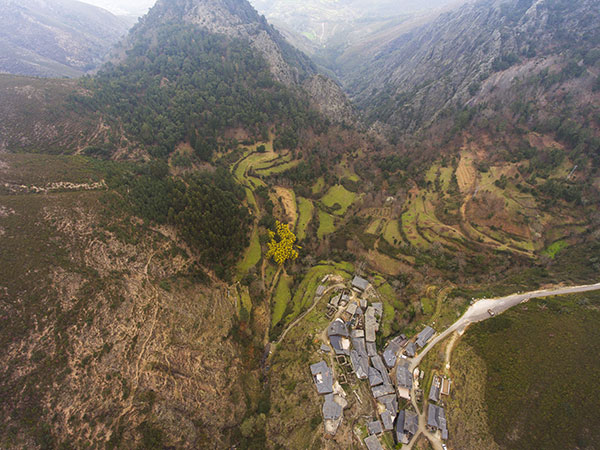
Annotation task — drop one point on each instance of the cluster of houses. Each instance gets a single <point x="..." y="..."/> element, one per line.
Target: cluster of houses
<point x="352" y="334"/>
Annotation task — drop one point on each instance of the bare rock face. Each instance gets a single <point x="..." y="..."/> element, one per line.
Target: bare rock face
<point x="329" y="98"/>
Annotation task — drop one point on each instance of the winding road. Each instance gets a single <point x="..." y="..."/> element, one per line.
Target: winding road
<point x="479" y="312"/>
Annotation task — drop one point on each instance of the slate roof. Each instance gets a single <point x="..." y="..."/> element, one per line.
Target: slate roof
<point x="358" y="343"/>
<point x="375" y="427"/>
<point x="371" y="325"/>
<point x="372" y="443"/>
<point x="387" y="420"/>
<point x="411" y="350"/>
<point x="337" y="342"/>
<point x="436" y="418"/>
<point x="337" y="328"/>
<point x="434" y="392"/>
<point x="325" y="348"/>
<point x="407" y="424"/>
<point x="320" y="290"/>
<point x="403" y="376"/>
<point x="391" y="350"/>
<point x="400" y="436"/>
<point x="378" y="364"/>
<point x="411" y="422"/>
<point x="375" y="378"/>
<point x="378" y="309"/>
<point x="358" y="333"/>
<point x="390" y="402"/>
<point x="381" y="390"/>
<point x="360" y="364"/>
<point x="351" y="309"/>
<point x="360" y="283"/>
<point x="371" y="349"/>
<point x="322" y="377"/>
<point x="424" y="336"/>
<point x="331" y="409"/>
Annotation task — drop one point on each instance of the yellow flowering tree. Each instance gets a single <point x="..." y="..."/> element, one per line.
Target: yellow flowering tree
<point x="282" y="249"/>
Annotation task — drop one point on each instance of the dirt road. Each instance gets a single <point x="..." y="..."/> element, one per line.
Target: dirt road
<point x="479" y="312"/>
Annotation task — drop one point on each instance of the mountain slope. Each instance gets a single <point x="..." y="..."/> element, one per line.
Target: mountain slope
<point x="441" y="65"/>
<point x="55" y="38"/>
<point x="238" y="20"/>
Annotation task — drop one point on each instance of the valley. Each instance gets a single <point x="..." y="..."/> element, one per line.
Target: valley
<point x="188" y="231"/>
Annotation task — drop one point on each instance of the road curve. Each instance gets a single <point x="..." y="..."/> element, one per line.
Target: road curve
<point x="479" y="312"/>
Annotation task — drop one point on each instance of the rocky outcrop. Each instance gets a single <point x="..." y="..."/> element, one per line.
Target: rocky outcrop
<point x="329" y="98"/>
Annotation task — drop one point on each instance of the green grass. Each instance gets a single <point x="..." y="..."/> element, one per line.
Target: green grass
<point x="305" y="213"/>
<point x="326" y="224"/>
<point x="281" y="299"/>
<point x="339" y="195"/>
<point x="391" y="233"/>
<point x="318" y="186"/>
<point x="346" y="266"/>
<point x="554" y="248"/>
<point x="245" y="299"/>
<point x="445" y="177"/>
<point x="431" y="174"/>
<point x="251" y="200"/>
<point x="428" y="306"/>
<point x="277" y="169"/>
<point x="542" y="373"/>
<point x="373" y="226"/>
<point x="252" y="256"/>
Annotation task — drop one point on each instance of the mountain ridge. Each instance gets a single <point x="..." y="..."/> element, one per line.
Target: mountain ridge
<point x="238" y="19"/>
<point x="56" y="39"/>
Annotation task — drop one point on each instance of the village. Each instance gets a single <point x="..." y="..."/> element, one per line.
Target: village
<point x="350" y="345"/>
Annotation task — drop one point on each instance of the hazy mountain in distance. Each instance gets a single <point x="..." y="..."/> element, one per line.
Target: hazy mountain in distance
<point x="317" y="24"/>
<point x="58" y="38"/>
<point x="131" y="8"/>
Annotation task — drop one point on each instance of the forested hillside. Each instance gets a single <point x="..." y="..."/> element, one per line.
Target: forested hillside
<point x="190" y="85"/>
<point x="138" y="210"/>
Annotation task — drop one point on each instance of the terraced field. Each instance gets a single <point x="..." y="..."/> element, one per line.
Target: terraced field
<point x="318" y="186"/>
<point x="306" y="209"/>
<point x="281" y="299"/>
<point x="287" y="198"/>
<point x="373" y="226"/>
<point x="326" y="224"/>
<point x="252" y="255"/>
<point x="392" y="233"/>
<point x="339" y="195"/>
<point x="466" y="174"/>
